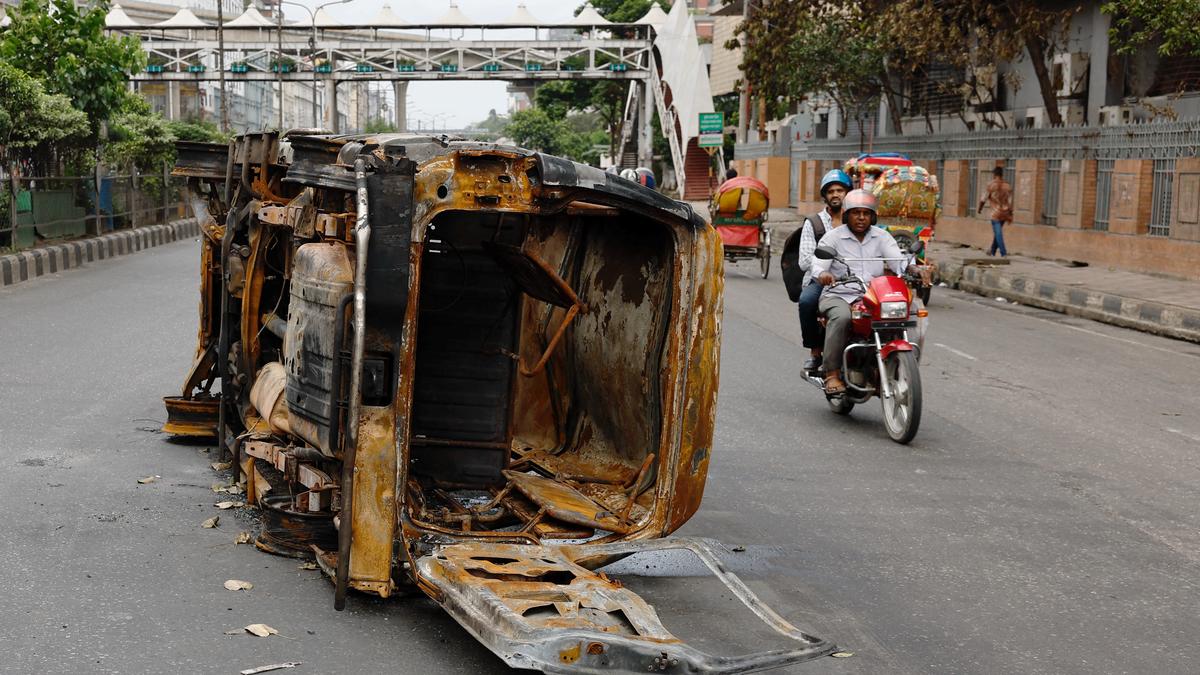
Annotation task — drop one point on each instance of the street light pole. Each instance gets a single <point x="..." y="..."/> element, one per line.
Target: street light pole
<point x="221" y="65"/>
<point x="312" y="49"/>
<point x="279" y="57"/>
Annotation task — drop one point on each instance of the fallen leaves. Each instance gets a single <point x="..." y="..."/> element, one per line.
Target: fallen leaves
<point x="211" y="522"/>
<point x="309" y="566"/>
<point x="261" y="630"/>
<point x="229" y="505"/>
<point x="148" y="479"/>
<point x="221" y="466"/>
<point x="238" y="585"/>
<point x="242" y="538"/>
<point x="842" y="655"/>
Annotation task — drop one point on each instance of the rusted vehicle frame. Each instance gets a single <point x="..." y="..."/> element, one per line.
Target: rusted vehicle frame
<point x="491" y="369"/>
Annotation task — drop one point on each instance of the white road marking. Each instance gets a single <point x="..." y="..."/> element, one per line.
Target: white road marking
<point x="952" y="350"/>
<point x="1184" y="434"/>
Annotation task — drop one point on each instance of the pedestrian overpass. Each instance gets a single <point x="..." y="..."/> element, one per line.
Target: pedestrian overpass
<point x="658" y="56"/>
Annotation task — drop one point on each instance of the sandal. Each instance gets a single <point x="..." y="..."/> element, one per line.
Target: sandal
<point x="832" y="390"/>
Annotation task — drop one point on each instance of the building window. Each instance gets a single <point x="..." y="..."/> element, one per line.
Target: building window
<point x="941" y="174"/>
<point x="1050" y="192"/>
<point x="1160" y="198"/>
<point x="973" y="187"/>
<point x="1010" y="172"/>
<point x="1104" y="171"/>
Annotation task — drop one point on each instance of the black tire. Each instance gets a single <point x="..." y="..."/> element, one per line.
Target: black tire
<point x="841" y="405"/>
<point x="764" y="259"/>
<point x="902" y="412"/>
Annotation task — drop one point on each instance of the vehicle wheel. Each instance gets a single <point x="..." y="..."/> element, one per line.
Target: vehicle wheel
<point x="841" y="405"/>
<point x="902" y="412"/>
<point x="764" y="259"/>
<point x="923" y="293"/>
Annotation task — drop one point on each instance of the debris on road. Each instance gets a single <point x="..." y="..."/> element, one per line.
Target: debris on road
<point x="229" y="505"/>
<point x="261" y="630"/>
<point x="221" y="466"/>
<point x="267" y="669"/>
<point x="243" y="538"/>
<point x="238" y="585"/>
<point x="211" y="522"/>
<point x="148" y="479"/>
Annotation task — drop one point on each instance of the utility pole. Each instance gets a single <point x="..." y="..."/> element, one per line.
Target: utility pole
<point x="279" y="58"/>
<point x="221" y="66"/>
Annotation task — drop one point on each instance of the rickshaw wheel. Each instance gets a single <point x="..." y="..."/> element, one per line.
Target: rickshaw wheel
<point x="764" y="255"/>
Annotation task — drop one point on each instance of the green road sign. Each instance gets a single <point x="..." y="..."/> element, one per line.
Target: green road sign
<point x="712" y="130"/>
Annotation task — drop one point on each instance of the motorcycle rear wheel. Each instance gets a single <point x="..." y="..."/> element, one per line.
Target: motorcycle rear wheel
<point x="902" y="411"/>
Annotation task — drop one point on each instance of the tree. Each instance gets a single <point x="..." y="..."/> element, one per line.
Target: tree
<point x="67" y="50"/>
<point x="139" y="137"/>
<point x="35" y="126"/>
<point x="1170" y="25"/>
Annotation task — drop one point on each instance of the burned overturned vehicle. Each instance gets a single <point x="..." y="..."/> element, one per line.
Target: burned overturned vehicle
<point x="469" y="368"/>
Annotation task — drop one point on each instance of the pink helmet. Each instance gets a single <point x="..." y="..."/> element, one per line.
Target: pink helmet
<point x="859" y="199"/>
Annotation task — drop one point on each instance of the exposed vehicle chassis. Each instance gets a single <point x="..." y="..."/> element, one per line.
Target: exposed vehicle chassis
<point x="470" y="368"/>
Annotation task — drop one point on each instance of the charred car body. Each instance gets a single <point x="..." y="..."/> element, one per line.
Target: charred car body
<point x="470" y="368"/>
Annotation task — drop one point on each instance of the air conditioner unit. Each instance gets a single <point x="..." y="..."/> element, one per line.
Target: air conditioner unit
<point x="1034" y="118"/>
<point x="1070" y="72"/>
<point x="1071" y="113"/>
<point x="1114" y="115"/>
<point x="981" y="85"/>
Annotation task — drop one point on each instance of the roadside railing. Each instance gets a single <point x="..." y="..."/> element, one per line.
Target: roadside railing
<point x="39" y="210"/>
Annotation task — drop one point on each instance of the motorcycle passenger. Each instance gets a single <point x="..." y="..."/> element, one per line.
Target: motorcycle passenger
<point x="856" y="238"/>
<point x="834" y="186"/>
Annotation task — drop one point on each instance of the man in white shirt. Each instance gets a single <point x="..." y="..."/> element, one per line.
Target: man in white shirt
<point x="868" y="250"/>
<point x="834" y="186"/>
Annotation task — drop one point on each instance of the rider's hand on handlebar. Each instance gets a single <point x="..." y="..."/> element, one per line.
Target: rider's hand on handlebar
<point x="825" y="278"/>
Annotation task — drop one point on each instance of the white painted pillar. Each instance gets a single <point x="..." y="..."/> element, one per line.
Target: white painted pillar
<point x="400" y="87"/>
<point x="645" y="152"/>
<point x="331" y="105"/>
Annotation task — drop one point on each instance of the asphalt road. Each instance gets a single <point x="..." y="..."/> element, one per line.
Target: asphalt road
<point x="1043" y="521"/>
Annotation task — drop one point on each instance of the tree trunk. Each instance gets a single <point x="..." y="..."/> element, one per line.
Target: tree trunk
<point x="1036" y="46"/>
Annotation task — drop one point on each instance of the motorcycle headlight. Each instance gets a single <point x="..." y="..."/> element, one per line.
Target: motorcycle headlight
<point x="894" y="310"/>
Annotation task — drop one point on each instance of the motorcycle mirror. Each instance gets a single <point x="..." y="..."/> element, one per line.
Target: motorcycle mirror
<point x="825" y="253"/>
<point x="917" y="247"/>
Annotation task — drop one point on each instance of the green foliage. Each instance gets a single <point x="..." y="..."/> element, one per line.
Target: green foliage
<point x="378" y="125"/>
<point x="625" y="11"/>
<point x="67" y="50"/>
<point x="138" y="136"/>
<point x="199" y="131"/>
<point x="538" y="129"/>
<point x="1169" y="25"/>
<point x="31" y="119"/>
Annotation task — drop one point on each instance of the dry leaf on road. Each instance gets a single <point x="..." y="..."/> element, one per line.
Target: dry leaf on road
<point x="242" y="538"/>
<point x="261" y="630"/>
<point x="228" y="505"/>
<point x="221" y="466"/>
<point x="238" y="585"/>
<point x="148" y="479"/>
<point x="211" y="522"/>
<point x="309" y="566"/>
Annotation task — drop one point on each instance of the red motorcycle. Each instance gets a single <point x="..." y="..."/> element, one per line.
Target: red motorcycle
<point x="880" y="358"/>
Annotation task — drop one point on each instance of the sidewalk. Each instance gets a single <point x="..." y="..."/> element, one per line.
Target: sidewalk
<point x="1159" y="305"/>
<point x="35" y="262"/>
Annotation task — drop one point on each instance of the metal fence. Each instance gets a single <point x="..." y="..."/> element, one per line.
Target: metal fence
<point x="1050" y="192"/>
<point x="1145" y="140"/>
<point x="37" y="210"/>
<point x="1104" y="172"/>
<point x="1160" y="198"/>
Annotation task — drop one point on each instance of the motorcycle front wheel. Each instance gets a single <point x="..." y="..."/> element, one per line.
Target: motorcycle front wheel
<point x="902" y="411"/>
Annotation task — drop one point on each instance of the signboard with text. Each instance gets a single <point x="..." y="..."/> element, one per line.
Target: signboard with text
<point x="712" y="130"/>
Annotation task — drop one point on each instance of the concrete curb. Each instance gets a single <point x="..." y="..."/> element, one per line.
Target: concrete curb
<point x="25" y="265"/>
<point x="1151" y="317"/>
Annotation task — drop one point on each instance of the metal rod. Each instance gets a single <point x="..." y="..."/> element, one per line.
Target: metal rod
<point x="362" y="239"/>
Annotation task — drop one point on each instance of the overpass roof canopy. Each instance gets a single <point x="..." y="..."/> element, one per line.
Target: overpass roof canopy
<point x="322" y="19"/>
<point x="589" y="17"/>
<point x="655" y="17"/>
<point x="453" y="17"/>
<point x="117" y="18"/>
<point x="184" y="18"/>
<point x="386" y="18"/>
<point x="251" y="18"/>
<point x="521" y="17"/>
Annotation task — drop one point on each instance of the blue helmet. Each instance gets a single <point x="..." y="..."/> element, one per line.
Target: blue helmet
<point x="835" y="176"/>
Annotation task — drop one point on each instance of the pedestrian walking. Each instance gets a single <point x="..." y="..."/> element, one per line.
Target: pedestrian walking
<point x="999" y="198"/>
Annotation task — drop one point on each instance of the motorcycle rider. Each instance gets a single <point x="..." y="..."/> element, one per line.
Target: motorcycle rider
<point x="834" y="186"/>
<point x="875" y="248"/>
